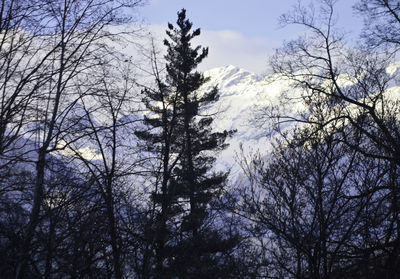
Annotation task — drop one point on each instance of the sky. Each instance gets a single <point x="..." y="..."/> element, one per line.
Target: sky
<point x="243" y="33"/>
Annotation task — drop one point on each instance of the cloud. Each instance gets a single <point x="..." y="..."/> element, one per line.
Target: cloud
<point x="228" y="47"/>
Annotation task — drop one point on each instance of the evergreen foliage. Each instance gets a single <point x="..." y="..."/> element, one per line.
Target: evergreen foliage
<point x="187" y="244"/>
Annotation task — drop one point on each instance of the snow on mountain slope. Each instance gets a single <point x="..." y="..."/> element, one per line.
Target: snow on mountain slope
<point x="241" y="93"/>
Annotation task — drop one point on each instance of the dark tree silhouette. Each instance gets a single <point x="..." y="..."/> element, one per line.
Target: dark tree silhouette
<point x="187" y="243"/>
<point x="46" y="48"/>
<point x="344" y="92"/>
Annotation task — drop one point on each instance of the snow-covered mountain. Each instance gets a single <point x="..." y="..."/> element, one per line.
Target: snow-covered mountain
<point x="241" y="96"/>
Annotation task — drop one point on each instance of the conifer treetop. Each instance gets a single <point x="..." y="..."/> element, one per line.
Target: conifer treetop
<point x="180" y="53"/>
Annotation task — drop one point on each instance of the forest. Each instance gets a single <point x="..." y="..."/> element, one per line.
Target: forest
<point x="108" y="162"/>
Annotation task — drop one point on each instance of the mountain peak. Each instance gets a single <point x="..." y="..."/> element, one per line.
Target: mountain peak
<point x="230" y="75"/>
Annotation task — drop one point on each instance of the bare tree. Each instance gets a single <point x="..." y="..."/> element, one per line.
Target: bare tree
<point x="346" y="92"/>
<point x="20" y="71"/>
<point x="350" y="84"/>
<point x="381" y="21"/>
<point x="46" y="45"/>
<point x="105" y="148"/>
<point x="70" y="240"/>
<point x="297" y="204"/>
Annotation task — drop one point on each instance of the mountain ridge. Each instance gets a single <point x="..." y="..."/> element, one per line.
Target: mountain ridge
<point x="244" y="95"/>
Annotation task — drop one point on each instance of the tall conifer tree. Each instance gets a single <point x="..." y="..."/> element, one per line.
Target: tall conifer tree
<point x="187" y="244"/>
<point x="195" y="256"/>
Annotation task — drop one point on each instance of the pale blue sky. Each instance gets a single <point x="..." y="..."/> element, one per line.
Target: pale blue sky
<point x="239" y="32"/>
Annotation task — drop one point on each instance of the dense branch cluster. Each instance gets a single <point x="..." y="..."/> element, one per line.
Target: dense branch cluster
<point x="326" y="200"/>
